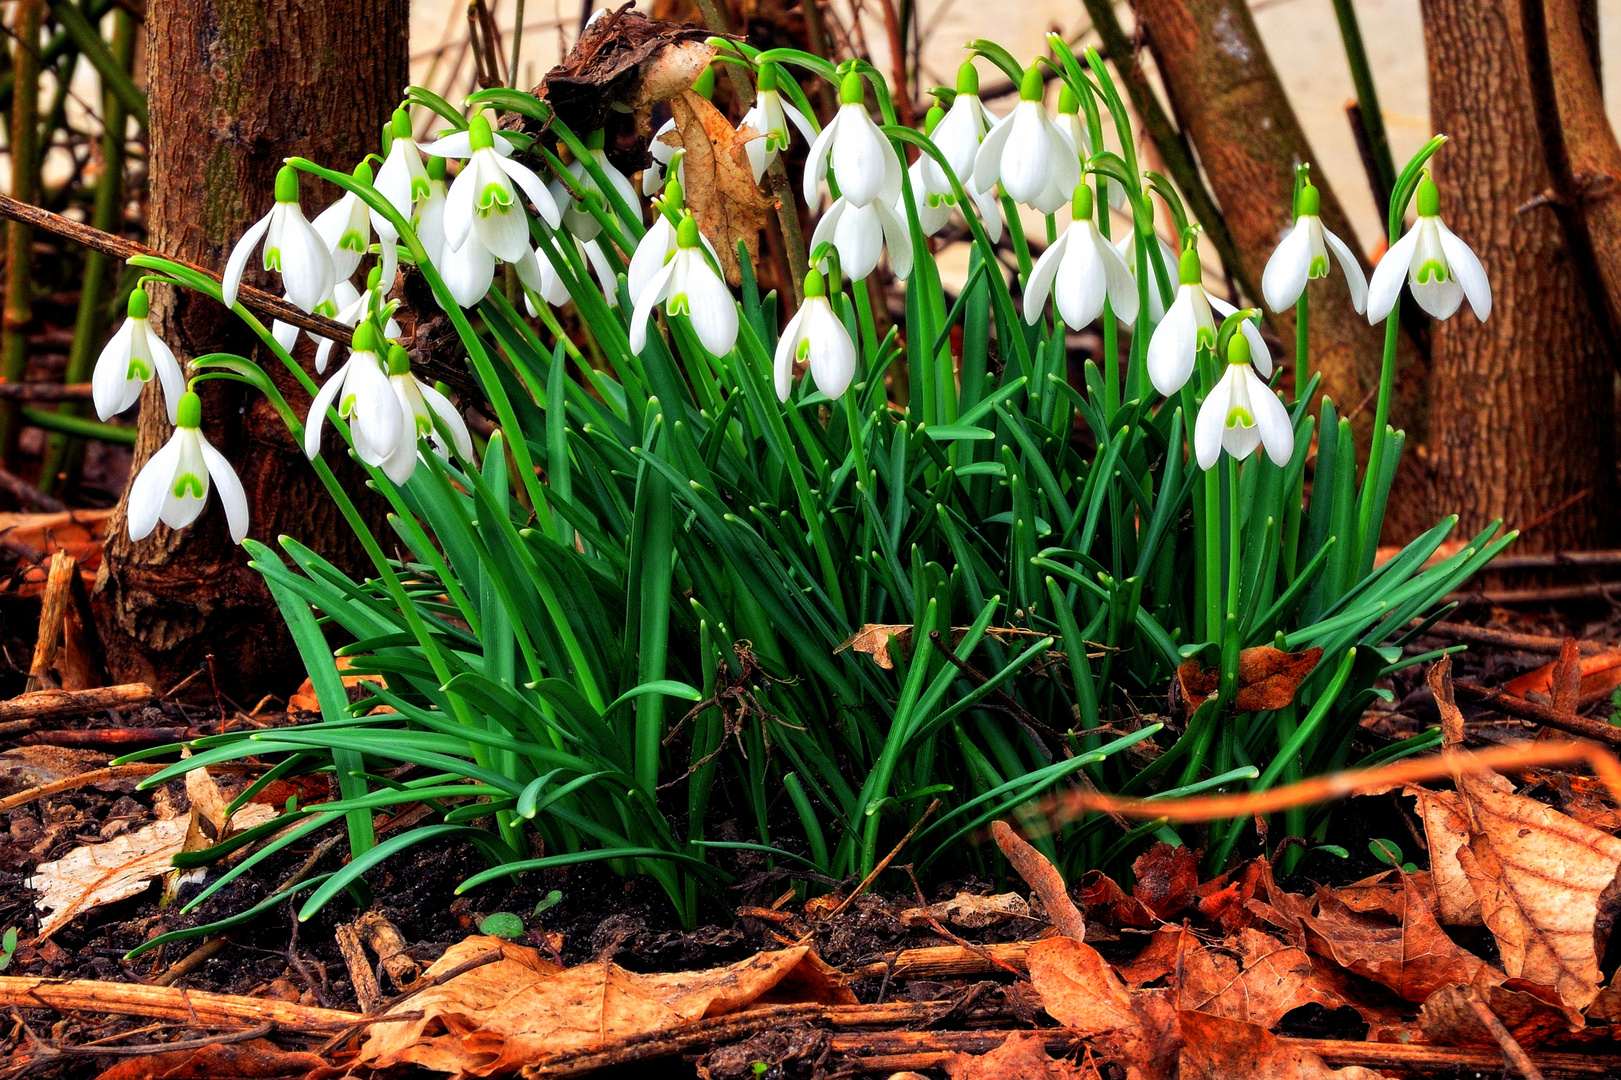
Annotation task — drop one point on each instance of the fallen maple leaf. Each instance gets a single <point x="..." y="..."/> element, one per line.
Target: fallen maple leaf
<point x="720" y="188"/>
<point x="1167" y="879"/>
<point x="1413" y="957"/>
<point x="1549" y="887"/>
<point x="494" y="1018"/>
<point x="1215" y="1048"/>
<point x="1263" y="982"/>
<point x="1267" y="678"/>
<point x="1022" y="1056"/>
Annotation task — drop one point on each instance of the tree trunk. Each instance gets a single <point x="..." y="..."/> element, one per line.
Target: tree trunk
<point x="1228" y="99"/>
<point x="1522" y="405"/>
<point x="235" y="87"/>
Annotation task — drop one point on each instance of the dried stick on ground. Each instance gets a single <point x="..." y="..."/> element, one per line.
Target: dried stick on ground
<point x="165" y="1003"/>
<point x="946" y="961"/>
<point x="48" y="705"/>
<point x="1537" y="713"/>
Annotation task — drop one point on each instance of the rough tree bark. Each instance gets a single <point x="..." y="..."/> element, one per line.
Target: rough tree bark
<point x="235" y="87"/>
<point x="1522" y="405"/>
<point x="1229" y="101"/>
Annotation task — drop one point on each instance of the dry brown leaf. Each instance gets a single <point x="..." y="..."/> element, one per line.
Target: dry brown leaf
<point x="1531" y="1013"/>
<point x="873" y="639"/>
<point x="1106" y="902"/>
<point x="495" y="1017"/>
<point x="1167" y="879"/>
<point x="720" y="188"/>
<point x="1215" y="1048"/>
<point x="1023" y="1056"/>
<point x="970" y="910"/>
<point x="624" y="58"/>
<point x="1267" y="678"/>
<point x="1445" y="831"/>
<point x="1156" y="960"/>
<point x="1414" y="957"/>
<point x="96" y="874"/>
<point x="1549" y="887"/>
<point x="1596" y="676"/>
<point x="1266" y="980"/>
<point x="251" y="1060"/>
<point x="1078" y="988"/>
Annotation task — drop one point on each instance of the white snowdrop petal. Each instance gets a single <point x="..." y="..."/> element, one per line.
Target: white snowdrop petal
<point x="232" y="497"/>
<point x="452" y="418"/>
<point x="1285" y="275"/>
<point x="1211" y="423"/>
<point x="1354" y="279"/>
<point x="151" y="487"/>
<point x="1468" y="272"/>
<point x="651" y="296"/>
<point x="988" y="161"/>
<point x="459" y="212"/>
<point x="1389" y="275"/>
<point x="1272" y="424"/>
<point x="1039" y="287"/>
<point x="711" y="308"/>
<point x="111" y="374"/>
<point x="540" y="197"/>
<point x="860" y="240"/>
<point x="782" y="362"/>
<point x="238" y="262"/>
<point x="898" y="237"/>
<point x="1172" y="346"/>
<point x="170" y="377"/>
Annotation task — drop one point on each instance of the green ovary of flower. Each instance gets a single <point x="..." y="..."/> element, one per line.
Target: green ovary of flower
<point x="1431" y="272"/>
<point x="188" y="484"/>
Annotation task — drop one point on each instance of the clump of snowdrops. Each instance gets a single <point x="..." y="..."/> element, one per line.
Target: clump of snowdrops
<point x="627" y="614"/>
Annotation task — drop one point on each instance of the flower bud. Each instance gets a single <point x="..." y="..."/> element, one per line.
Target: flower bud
<point x="932" y="120"/>
<point x="1238" y="349"/>
<point x="815" y="284"/>
<point x="365" y="339"/>
<point x="1429" y="197"/>
<point x="1068" y="100"/>
<point x="1081" y="206"/>
<point x="478" y="132"/>
<point x="686" y="233"/>
<point x="401" y="124"/>
<point x="674" y="197"/>
<point x="436" y="168"/>
<point x="399" y="361"/>
<point x="1310" y="202"/>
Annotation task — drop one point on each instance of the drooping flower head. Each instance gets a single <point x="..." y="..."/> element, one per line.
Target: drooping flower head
<point x="688" y="285"/>
<point x="402" y="179"/>
<point x="658" y="244"/>
<point x="769" y="118"/>
<point x="1303" y="255"/>
<point x="292" y="248"/>
<point x="483" y="201"/>
<point x="346" y="227"/>
<point x="130" y="359"/>
<point x="419" y="403"/>
<point x="1440" y="268"/>
<point x="1069" y="118"/>
<point x="864" y="164"/>
<point x="815" y="335"/>
<point x="1242" y="413"/>
<point x="362" y="394"/>
<point x="959" y="133"/>
<point x="1030" y="155"/>
<point x="1081" y="269"/>
<point x="1189" y="325"/>
<point x="172" y="487"/>
<point x="576" y="216"/>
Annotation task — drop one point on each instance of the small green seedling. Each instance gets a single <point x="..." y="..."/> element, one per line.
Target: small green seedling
<point x="503" y="924"/>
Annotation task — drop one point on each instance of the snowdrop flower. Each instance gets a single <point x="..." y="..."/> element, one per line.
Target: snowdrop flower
<point x="658" y="244"/>
<point x="1127" y="246"/>
<point x="346" y="227"/>
<point x="357" y="307"/>
<point x="402" y="179"/>
<point x="483" y="204"/>
<point x="576" y="217"/>
<point x="688" y="285"/>
<point x="362" y="394"/>
<point x="864" y="164"/>
<point x="769" y="119"/>
<point x="1190" y="325"/>
<point x="817" y="336"/>
<point x="430" y="214"/>
<point x="860" y="233"/>
<point x="1303" y="255"/>
<point x="1030" y="155"/>
<point x="419" y="403"/>
<point x="662" y="153"/>
<point x="1242" y="413"/>
<point x="548" y="284"/>
<point x="172" y="487"/>
<point x="291" y="248"/>
<point x="130" y="359"/>
<point x="1069" y="119"/>
<point x="1081" y="269"/>
<point x="467" y="271"/>
<point x="957" y="135"/>
<point x="933" y="207"/>
<point x="1440" y="268"/>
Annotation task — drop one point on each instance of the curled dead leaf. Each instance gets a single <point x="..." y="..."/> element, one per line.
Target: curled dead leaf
<point x="1267" y="678"/>
<point x="1023" y="1056"/>
<point x="970" y="910"/>
<point x="1413" y="957"/>
<point x="720" y="188"/>
<point x="1215" y="1048"/>
<point x="628" y="59"/>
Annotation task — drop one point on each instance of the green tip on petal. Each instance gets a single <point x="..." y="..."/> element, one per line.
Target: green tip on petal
<point x="1068" y="100"/>
<point x="1238" y="349"/>
<point x="189" y="413"/>
<point x="1310" y="202"/>
<point x="1032" y="87"/>
<point x="287" y="184"/>
<point x="674" y="197"/>
<point x="1188" y="269"/>
<point x="968" y="78"/>
<point x="1081" y="207"/>
<point x="851" y="91"/>
<point x="932" y="120"/>
<point x="436" y="168"/>
<point x="478" y="132"/>
<point x="596" y="140"/>
<point x="365" y="339"/>
<point x="767" y="79"/>
<point x="815" y="284"/>
<point x="399" y="361"/>
<point x="139" y="304"/>
<point x="363" y="172"/>
<point x="705" y="84"/>
<point x="401" y="124"/>
<point x="1429" y="198"/>
<point x="686" y="233"/>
